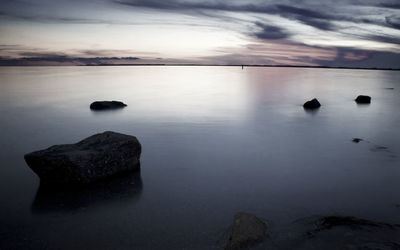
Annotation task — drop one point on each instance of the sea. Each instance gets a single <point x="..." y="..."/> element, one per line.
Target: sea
<point x="215" y="141"/>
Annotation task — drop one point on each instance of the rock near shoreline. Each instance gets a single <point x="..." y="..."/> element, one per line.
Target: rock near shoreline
<point x="94" y="158"/>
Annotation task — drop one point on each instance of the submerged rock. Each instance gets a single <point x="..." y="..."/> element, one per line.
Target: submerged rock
<point x="351" y="222"/>
<point x="106" y="105"/>
<point x="339" y="232"/>
<point x="247" y="230"/>
<point x="329" y="222"/>
<point x="313" y="104"/>
<point x="363" y="99"/>
<point x="94" y="158"/>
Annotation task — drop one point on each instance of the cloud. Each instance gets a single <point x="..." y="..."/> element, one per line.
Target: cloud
<point x="286" y="27"/>
<point x="9" y="47"/>
<point x="108" y="52"/>
<point x="277" y="52"/>
<point x="270" y="32"/>
<point x="309" y="15"/>
<point x="393" y="21"/>
<point x="35" y="56"/>
<point x="316" y="19"/>
<point x="390" y="5"/>
<point x="56" y="19"/>
<point x="348" y="57"/>
<point x="272" y="53"/>
<point x="385" y="39"/>
<point x="56" y="59"/>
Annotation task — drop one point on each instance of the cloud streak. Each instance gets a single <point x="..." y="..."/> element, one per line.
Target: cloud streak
<point x="317" y="18"/>
<point x="56" y="59"/>
<point x="270" y="32"/>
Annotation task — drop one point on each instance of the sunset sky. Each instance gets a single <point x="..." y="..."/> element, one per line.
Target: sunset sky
<point x="359" y="33"/>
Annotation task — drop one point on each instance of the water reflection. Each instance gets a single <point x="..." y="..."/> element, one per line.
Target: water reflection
<point x="50" y="198"/>
<point x="311" y="111"/>
<point x="363" y="105"/>
<point x="106" y="111"/>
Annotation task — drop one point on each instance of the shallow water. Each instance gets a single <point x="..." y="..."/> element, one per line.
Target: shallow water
<point x="216" y="140"/>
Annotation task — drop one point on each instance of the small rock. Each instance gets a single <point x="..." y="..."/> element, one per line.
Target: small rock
<point x="363" y="99"/>
<point x="356" y="140"/>
<point x="313" y="104"/>
<point x="106" y="105"/>
<point x="94" y="158"/>
<point x="247" y="230"/>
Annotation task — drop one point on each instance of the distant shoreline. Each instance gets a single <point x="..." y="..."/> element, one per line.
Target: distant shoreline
<point x="208" y="65"/>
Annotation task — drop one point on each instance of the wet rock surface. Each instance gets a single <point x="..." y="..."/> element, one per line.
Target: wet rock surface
<point x="313" y="104"/>
<point x="107" y="105"/>
<point x="97" y="157"/>
<point x="247" y="231"/>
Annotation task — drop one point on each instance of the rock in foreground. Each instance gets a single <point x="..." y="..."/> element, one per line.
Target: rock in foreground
<point x="247" y="230"/>
<point x="363" y="99"/>
<point x="313" y="104"/>
<point x="106" y="105"/>
<point x="94" y="158"/>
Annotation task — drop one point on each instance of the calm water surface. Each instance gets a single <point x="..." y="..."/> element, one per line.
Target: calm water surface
<point x="216" y="140"/>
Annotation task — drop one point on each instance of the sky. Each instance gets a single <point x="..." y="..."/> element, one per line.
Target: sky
<point x="340" y="33"/>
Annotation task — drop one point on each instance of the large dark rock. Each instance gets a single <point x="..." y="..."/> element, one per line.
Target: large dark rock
<point x="94" y="158"/>
<point x="363" y="99"/>
<point x="106" y="105"/>
<point x="313" y="104"/>
<point x="247" y="230"/>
